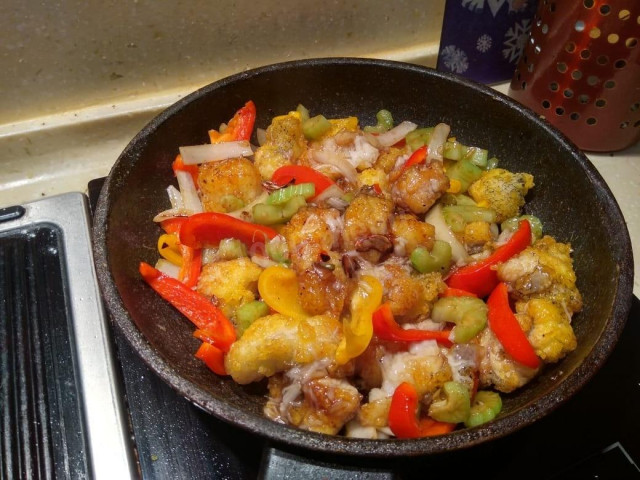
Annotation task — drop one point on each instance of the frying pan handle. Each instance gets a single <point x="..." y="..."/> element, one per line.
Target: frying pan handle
<point x="280" y="465"/>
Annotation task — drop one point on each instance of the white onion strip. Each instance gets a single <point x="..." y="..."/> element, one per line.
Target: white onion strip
<point x="168" y="268"/>
<point x="437" y="141"/>
<point x="188" y="191"/>
<point x="212" y="152"/>
<point x="331" y="191"/>
<point x="340" y="162"/>
<point x="396" y="134"/>
<point x="175" y="197"/>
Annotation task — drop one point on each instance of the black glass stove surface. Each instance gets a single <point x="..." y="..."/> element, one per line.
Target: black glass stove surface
<point x="594" y="435"/>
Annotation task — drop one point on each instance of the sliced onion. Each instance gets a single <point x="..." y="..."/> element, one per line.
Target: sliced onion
<point x="175" y="197"/>
<point x="331" y="191"/>
<point x="437" y="141"/>
<point x="168" y="268"/>
<point x="188" y="191"/>
<point x="396" y="134"/>
<point x="261" y="135"/>
<point x="245" y="213"/>
<point x="264" y="262"/>
<point x="212" y="152"/>
<point x="172" y="213"/>
<point x="435" y="218"/>
<point x="339" y="161"/>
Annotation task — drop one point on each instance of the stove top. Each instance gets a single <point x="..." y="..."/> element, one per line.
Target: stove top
<point x="593" y="435"/>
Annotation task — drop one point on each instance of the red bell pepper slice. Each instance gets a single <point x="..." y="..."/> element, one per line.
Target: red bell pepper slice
<point x="386" y="328"/>
<point x="213" y="357"/>
<point x="402" y="416"/>
<point x="208" y="228"/>
<point x="197" y="308"/>
<point x="178" y="165"/>
<point x="416" y="157"/>
<point x="239" y="127"/>
<point x="191" y="257"/>
<point x="505" y="326"/>
<point x="301" y="174"/>
<point x="457" y="292"/>
<point x="481" y="277"/>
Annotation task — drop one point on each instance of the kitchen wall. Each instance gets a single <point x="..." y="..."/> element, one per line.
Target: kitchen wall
<point x="66" y="55"/>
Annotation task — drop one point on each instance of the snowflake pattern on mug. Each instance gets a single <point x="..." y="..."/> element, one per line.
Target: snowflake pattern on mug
<point x="484" y="43"/>
<point x="455" y="59"/>
<point x="483" y="39"/>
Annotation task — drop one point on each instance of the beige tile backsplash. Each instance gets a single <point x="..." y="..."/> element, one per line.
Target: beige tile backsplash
<point x="65" y="55"/>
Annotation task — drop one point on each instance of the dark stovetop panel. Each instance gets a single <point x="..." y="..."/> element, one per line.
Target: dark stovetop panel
<point x="594" y="435"/>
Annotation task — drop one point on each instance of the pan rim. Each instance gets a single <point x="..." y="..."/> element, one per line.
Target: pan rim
<point x="284" y="434"/>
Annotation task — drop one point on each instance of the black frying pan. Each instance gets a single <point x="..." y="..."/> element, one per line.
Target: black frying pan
<point x="570" y="198"/>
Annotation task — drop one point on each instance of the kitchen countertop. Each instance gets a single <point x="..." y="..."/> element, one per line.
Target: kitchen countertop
<point x="63" y="152"/>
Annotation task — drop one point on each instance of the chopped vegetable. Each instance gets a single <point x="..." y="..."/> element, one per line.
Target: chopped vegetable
<point x="386" y="328"/>
<point x="512" y="224"/>
<point x="277" y="249"/>
<point x="315" y="127"/>
<point x="454" y="407"/>
<point x="230" y="248"/>
<point x="278" y="287"/>
<point x="207" y="229"/>
<point x="486" y="406"/>
<point x="396" y="134"/>
<point x="505" y="326"/>
<point x="283" y="195"/>
<point x="457" y="216"/>
<point x="468" y="313"/>
<point x="189" y="192"/>
<point x="178" y="165"/>
<point x="402" y="416"/>
<point x="266" y="214"/>
<point x="436" y="260"/>
<point x="168" y="247"/>
<point x="212" y="152"/>
<point x="212" y="356"/>
<point x="239" y="127"/>
<point x="198" y="309"/>
<point x="357" y="326"/>
<point x="481" y="277"/>
<point x="464" y="172"/>
<point x="249" y="313"/>
<point x="416" y="157"/>
<point x="385" y="122"/>
<point x="301" y="174"/>
<point x="457" y="292"/>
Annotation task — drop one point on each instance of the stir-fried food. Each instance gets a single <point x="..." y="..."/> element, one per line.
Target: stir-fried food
<point x="382" y="279"/>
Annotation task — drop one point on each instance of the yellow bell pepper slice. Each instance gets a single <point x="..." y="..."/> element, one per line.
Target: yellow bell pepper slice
<point x="357" y="327"/>
<point x="278" y="287"/>
<point x="169" y="248"/>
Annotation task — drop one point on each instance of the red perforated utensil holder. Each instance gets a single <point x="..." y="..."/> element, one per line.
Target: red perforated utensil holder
<point x="580" y="69"/>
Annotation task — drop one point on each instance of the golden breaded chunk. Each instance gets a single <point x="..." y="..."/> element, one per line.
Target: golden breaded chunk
<point x="477" y="235"/>
<point x="311" y="235"/>
<point x="409" y="294"/>
<point x="543" y="270"/>
<point x="387" y="159"/>
<point x="276" y="343"/>
<point x="551" y="334"/>
<point x="373" y="176"/>
<point x="419" y="187"/>
<point x="497" y="368"/>
<point x="366" y="224"/>
<point x="285" y="143"/>
<point x="226" y="182"/>
<point x="502" y="191"/>
<point x="409" y="233"/>
<point x="233" y="283"/>
<point x="322" y="405"/>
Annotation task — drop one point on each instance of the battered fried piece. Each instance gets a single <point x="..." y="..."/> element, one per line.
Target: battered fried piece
<point x="388" y="159"/>
<point x="497" y="368"/>
<point x="551" y="334"/>
<point x="477" y="236"/>
<point x="231" y="283"/>
<point x="311" y="235"/>
<point x="409" y="233"/>
<point x="285" y="143"/>
<point x="366" y="216"/>
<point x="276" y="343"/>
<point x="419" y="187"/>
<point x="543" y="270"/>
<point x="502" y="191"/>
<point x="325" y="406"/>
<point x="409" y="294"/>
<point x="226" y="182"/>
